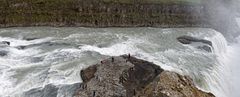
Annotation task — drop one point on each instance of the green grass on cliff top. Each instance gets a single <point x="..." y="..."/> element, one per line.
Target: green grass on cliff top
<point x="156" y="1"/>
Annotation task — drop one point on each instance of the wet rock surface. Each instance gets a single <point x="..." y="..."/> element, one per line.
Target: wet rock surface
<point x="126" y="76"/>
<point x="203" y="44"/>
<point x="189" y="40"/>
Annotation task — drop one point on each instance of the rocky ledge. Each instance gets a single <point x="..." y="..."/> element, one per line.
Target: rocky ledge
<point x="126" y="76"/>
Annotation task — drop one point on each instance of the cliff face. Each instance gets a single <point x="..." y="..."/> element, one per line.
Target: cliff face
<point x="100" y="13"/>
<point x="120" y="13"/>
<point x="126" y="76"/>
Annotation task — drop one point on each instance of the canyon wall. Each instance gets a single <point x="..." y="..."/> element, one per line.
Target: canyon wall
<point x="216" y="14"/>
<point x="98" y="13"/>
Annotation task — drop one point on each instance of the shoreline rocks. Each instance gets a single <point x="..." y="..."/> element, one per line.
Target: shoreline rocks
<point x="128" y="76"/>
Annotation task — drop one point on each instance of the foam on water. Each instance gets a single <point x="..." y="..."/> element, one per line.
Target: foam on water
<point x="220" y="74"/>
<point x="19" y="73"/>
<point x="19" y="42"/>
<point x="116" y="49"/>
<point x="39" y="65"/>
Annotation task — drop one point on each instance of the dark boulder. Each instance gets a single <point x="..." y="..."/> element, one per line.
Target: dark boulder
<point x="189" y="40"/>
<point x="30" y="39"/>
<point x="204" y="45"/>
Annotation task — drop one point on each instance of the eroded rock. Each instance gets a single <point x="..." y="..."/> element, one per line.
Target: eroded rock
<point x="170" y="84"/>
<point x="126" y="76"/>
<point x="88" y="73"/>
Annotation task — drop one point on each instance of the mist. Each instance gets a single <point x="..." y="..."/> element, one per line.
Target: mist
<point x="221" y="15"/>
<point x="224" y="16"/>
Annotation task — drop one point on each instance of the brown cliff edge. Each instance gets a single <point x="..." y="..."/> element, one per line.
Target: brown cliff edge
<point x="131" y="77"/>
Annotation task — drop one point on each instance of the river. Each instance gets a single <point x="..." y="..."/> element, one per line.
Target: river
<point x="39" y="56"/>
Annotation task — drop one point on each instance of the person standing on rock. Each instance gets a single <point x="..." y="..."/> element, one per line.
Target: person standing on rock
<point x="112" y="59"/>
<point x="94" y="93"/>
<point x="128" y="58"/>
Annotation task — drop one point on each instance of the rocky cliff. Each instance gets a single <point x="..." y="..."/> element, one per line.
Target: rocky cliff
<point x="102" y="13"/>
<point x="121" y="13"/>
<point x="126" y="76"/>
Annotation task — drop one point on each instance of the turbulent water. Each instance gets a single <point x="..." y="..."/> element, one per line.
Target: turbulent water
<point x="53" y="57"/>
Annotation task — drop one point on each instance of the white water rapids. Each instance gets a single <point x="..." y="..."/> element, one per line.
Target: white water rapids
<point x="40" y="56"/>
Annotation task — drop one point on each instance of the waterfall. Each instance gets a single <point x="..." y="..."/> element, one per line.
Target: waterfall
<point x="219" y="78"/>
<point x="232" y="60"/>
<point x="58" y="58"/>
<point x="219" y="44"/>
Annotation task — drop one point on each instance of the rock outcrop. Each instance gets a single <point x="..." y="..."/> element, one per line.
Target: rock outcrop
<point x="170" y="84"/>
<point x="189" y="40"/>
<point x="205" y="44"/>
<point x="126" y="76"/>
